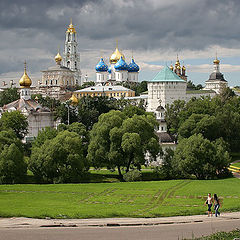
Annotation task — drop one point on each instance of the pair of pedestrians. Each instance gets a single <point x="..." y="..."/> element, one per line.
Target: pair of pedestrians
<point x="210" y="201"/>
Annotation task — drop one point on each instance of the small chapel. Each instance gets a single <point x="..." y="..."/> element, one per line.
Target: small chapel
<point x="38" y="117"/>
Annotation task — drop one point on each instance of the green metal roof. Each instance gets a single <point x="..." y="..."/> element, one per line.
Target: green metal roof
<point x="166" y="75"/>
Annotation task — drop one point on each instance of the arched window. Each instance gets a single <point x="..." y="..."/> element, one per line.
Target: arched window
<point x="56" y="82"/>
<point x="51" y="82"/>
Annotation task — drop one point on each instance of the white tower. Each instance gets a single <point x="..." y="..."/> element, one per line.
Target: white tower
<point x="71" y="58"/>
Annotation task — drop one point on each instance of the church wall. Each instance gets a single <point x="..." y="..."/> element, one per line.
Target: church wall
<point x="38" y="121"/>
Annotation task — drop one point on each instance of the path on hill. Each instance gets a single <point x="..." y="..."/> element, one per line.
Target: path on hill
<point x="116" y="228"/>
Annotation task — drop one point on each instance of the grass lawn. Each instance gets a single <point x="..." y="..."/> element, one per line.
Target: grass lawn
<point x="98" y="200"/>
<point x="221" y="235"/>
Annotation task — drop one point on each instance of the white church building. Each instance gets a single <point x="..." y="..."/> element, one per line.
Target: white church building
<point x="118" y="71"/>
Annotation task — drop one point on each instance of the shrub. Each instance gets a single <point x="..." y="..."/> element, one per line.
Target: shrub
<point x="132" y="176"/>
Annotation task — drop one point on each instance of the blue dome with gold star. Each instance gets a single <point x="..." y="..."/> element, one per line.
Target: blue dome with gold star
<point x="133" y="67"/>
<point x="121" y="65"/>
<point x="101" y="66"/>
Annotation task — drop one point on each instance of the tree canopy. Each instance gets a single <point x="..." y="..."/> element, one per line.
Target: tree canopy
<point x="12" y="165"/>
<point x="8" y="95"/>
<point x="16" y="121"/>
<point x="60" y="159"/>
<point x="199" y="157"/>
<point x="119" y="141"/>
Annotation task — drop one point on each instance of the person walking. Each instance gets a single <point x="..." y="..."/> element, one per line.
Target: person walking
<point x="216" y="205"/>
<point x="209" y="204"/>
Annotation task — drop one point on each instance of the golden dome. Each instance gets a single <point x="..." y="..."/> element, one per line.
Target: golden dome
<point x="74" y="99"/>
<point x="183" y="67"/>
<point x="171" y="67"/>
<point x="216" y="61"/>
<point x="25" y="81"/>
<point x="71" y="28"/>
<point x="116" y="55"/>
<point x="58" y="58"/>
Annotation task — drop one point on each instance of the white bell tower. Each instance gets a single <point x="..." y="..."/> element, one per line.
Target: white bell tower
<point x="71" y="58"/>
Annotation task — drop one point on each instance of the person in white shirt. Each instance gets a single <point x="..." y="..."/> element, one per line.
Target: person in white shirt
<point x="209" y="204"/>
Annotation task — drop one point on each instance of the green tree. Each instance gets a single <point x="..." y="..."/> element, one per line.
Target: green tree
<point x="199" y="157"/>
<point x="60" y="159"/>
<point x="8" y="95"/>
<point x="167" y="169"/>
<point x="47" y="101"/>
<point x="173" y="116"/>
<point x="12" y="165"/>
<point x="62" y="113"/>
<point x="90" y="108"/>
<point x="16" y="121"/>
<point x="226" y="93"/>
<point x="47" y="133"/>
<point x="119" y="141"/>
<point x="205" y="124"/>
<point x="13" y="168"/>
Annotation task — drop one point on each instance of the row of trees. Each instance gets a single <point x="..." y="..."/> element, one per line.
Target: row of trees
<point x="114" y="134"/>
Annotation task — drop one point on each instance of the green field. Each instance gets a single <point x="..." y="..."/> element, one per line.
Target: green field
<point x="221" y="236"/>
<point x="98" y="200"/>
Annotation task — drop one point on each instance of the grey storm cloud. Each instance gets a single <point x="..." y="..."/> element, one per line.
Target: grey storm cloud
<point x="28" y="25"/>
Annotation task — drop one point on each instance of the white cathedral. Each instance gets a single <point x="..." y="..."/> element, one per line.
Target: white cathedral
<point x="118" y="70"/>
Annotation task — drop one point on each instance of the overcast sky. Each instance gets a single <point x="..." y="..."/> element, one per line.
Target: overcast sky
<point x="155" y="30"/>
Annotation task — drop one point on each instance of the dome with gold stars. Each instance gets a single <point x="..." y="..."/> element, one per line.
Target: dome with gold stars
<point x="25" y="81"/>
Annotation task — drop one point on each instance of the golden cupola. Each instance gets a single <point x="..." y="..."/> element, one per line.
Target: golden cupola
<point x="25" y="81"/>
<point x="116" y="56"/>
<point x="71" y="28"/>
<point x="73" y="99"/>
<point x="177" y="62"/>
<point x="58" y="58"/>
<point x="216" y="60"/>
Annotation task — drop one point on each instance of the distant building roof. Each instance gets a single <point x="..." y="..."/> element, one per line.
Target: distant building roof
<point x="25" y="105"/>
<point x="165" y="137"/>
<point x="216" y="76"/>
<point x="167" y="75"/>
<point x="100" y="88"/>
